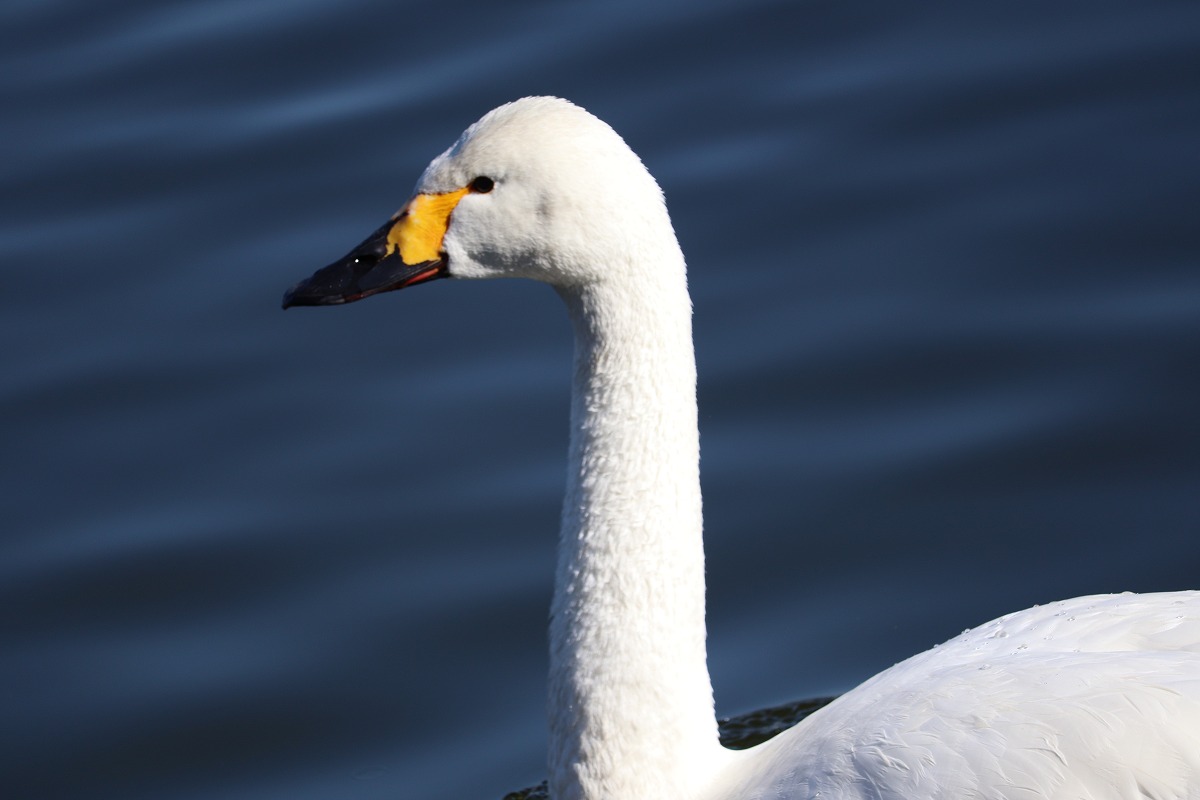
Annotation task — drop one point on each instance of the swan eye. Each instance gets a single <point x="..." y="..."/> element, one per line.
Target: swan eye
<point x="482" y="184"/>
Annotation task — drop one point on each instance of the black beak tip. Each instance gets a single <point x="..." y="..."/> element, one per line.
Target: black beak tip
<point x="305" y="294"/>
<point x="292" y="297"/>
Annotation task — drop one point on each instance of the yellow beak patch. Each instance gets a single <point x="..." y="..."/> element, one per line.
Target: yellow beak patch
<point x="421" y="226"/>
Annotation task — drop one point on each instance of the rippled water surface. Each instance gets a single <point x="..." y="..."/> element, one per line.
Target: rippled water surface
<point x="946" y="270"/>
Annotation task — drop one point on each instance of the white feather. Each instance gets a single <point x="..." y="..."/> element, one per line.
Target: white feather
<point x="1096" y="697"/>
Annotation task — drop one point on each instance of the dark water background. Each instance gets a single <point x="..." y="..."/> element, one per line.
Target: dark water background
<point x="946" y="267"/>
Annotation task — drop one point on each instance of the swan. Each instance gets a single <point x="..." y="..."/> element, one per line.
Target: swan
<point x="1096" y="697"/>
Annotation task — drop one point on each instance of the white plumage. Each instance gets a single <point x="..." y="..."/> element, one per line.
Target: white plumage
<point x="1096" y="697"/>
<point x="1093" y="697"/>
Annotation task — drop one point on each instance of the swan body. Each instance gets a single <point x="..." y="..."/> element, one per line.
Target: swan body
<point x="1096" y="697"/>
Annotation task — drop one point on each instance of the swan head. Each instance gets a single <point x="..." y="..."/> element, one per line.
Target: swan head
<point x="538" y="188"/>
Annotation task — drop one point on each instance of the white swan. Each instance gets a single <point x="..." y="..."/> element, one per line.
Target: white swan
<point x="1096" y="697"/>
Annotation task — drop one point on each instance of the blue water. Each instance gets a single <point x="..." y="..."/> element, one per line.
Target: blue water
<point x="946" y="269"/>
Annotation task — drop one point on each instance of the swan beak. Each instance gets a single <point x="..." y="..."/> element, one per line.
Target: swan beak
<point x="405" y="251"/>
<point x="366" y="270"/>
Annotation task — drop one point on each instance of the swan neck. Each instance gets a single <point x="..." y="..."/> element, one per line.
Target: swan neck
<point x="631" y="702"/>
